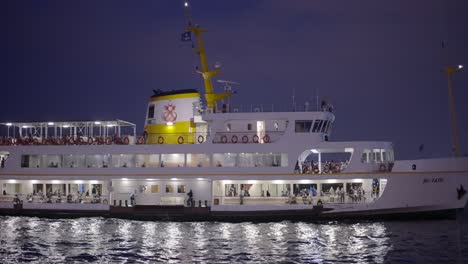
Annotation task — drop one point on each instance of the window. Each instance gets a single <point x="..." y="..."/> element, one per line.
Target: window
<point x="324" y="127"/>
<point x="147" y="160"/>
<point x="51" y="161"/>
<point x="228" y="127"/>
<point x="316" y="126"/>
<point x="198" y="160"/>
<point x="30" y="161"/>
<point x="151" y="111"/>
<point x="73" y="161"/>
<point x="154" y="188"/>
<point x="169" y="188"/>
<point x="181" y="189"/>
<point x="172" y="160"/>
<point x="98" y="161"/>
<point x="249" y="127"/>
<point x="303" y="126"/>
<point x="224" y="159"/>
<point x="123" y="161"/>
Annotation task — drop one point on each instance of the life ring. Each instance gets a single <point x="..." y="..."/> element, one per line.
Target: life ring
<point x="126" y="141"/>
<point x="319" y="203"/>
<point x="382" y="168"/>
<point x="255" y="139"/>
<point x="100" y="141"/>
<point x="245" y="139"/>
<point x="10" y="141"/>
<point x="141" y="140"/>
<point x="326" y="170"/>
<point x="108" y="140"/>
<point x="71" y="141"/>
<point x="224" y="139"/>
<point x="234" y="139"/>
<point x="200" y="139"/>
<point x="180" y="140"/>
<point x="160" y="140"/>
<point x="266" y="139"/>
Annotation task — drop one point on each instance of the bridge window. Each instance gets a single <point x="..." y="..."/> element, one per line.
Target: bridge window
<point x="151" y="111"/>
<point x="303" y="126"/>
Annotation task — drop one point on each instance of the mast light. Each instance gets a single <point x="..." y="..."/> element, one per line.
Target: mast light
<point x="460" y="66"/>
<point x="186" y="4"/>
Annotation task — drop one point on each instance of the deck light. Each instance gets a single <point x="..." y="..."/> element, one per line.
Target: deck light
<point x="186" y="4"/>
<point x="11" y="181"/>
<point x="93" y="182"/>
<point x="9" y="124"/>
<point x="66" y="126"/>
<point x="169" y="123"/>
<point x="125" y="179"/>
<point x="460" y="66"/>
<point x="55" y="181"/>
<point x="50" y="123"/>
<point x="173" y="179"/>
<point x="200" y="179"/>
<point x="110" y="125"/>
<point x="24" y="126"/>
<point x="97" y="122"/>
<point x="314" y="151"/>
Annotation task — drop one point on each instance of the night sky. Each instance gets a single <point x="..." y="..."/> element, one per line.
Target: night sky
<point x="378" y="62"/>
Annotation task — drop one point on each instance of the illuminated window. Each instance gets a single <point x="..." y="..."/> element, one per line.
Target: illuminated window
<point x="154" y="188"/>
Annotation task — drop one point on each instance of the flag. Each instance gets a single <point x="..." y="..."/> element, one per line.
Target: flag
<point x="186" y="36"/>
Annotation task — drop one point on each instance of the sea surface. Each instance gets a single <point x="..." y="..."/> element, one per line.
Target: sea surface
<point x="39" y="240"/>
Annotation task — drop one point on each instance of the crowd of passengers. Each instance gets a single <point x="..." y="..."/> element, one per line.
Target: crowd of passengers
<point x="313" y="168"/>
<point x="58" y="197"/>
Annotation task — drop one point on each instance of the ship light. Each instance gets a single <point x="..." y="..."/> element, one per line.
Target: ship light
<point x="278" y="181"/>
<point x="169" y="123"/>
<point x="50" y="123"/>
<point x="186" y="4"/>
<point x="24" y="126"/>
<point x="11" y="181"/>
<point x="34" y="181"/>
<point x="460" y="66"/>
<point x="78" y="182"/>
<point x="314" y="151"/>
<point x="9" y="124"/>
<point x="66" y="126"/>
<point x="55" y="181"/>
<point x="97" y="122"/>
<point x="173" y="179"/>
<point x="125" y="179"/>
<point x="93" y="182"/>
<point x="200" y="179"/>
<point x="150" y="179"/>
<point x="252" y="181"/>
<point x="110" y="125"/>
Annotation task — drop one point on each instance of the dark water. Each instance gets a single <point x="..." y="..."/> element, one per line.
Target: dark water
<point x="34" y="240"/>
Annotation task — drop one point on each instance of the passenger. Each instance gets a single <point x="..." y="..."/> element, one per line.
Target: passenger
<point x="4" y="192"/>
<point x="143" y="165"/>
<point x="132" y="199"/>
<point x="162" y="164"/>
<point x="3" y="162"/>
<point x="241" y="196"/>
<point x="263" y="193"/>
<point x="218" y="164"/>
<point x="87" y="193"/>
<point x="124" y="165"/>
<point x="268" y="194"/>
<point x="104" y="165"/>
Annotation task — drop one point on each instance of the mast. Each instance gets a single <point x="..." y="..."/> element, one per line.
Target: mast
<point x="450" y="70"/>
<point x="210" y="96"/>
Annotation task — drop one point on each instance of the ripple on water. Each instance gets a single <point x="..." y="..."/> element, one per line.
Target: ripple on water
<point x="87" y="240"/>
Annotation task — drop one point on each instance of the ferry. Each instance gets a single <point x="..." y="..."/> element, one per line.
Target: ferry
<point x="202" y="158"/>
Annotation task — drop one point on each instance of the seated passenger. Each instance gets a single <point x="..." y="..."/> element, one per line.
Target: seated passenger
<point x="218" y="164"/>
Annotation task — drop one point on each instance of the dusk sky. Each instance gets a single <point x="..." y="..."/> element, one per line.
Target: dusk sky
<point x="380" y="63"/>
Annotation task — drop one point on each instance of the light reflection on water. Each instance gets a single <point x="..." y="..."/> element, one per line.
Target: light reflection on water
<point x="24" y="239"/>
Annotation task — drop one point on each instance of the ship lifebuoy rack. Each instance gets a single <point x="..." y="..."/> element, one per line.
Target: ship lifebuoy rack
<point x="224" y="139"/>
<point x="245" y="139"/>
<point x="266" y="139"/>
<point x="234" y="139"/>
<point x="160" y="140"/>
<point x="200" y="139"/>
<point x="180" y="140"/>
<point x="255" y="138"/>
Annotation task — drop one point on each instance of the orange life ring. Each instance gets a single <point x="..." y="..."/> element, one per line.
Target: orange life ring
<point x="108" y="140"/>
<point x="234" y="139"/>
<point x="141" y="140"/>
<point x="255" y="139"/>
<point x="200" y="139"/>
<point x="160" y="140"/>
<point x="126" y="141"/>
<point x="180" y="140"/>
<point x="266" y="139"/>
<point x="224" y="139"/>
<point x="245" y="139"/>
